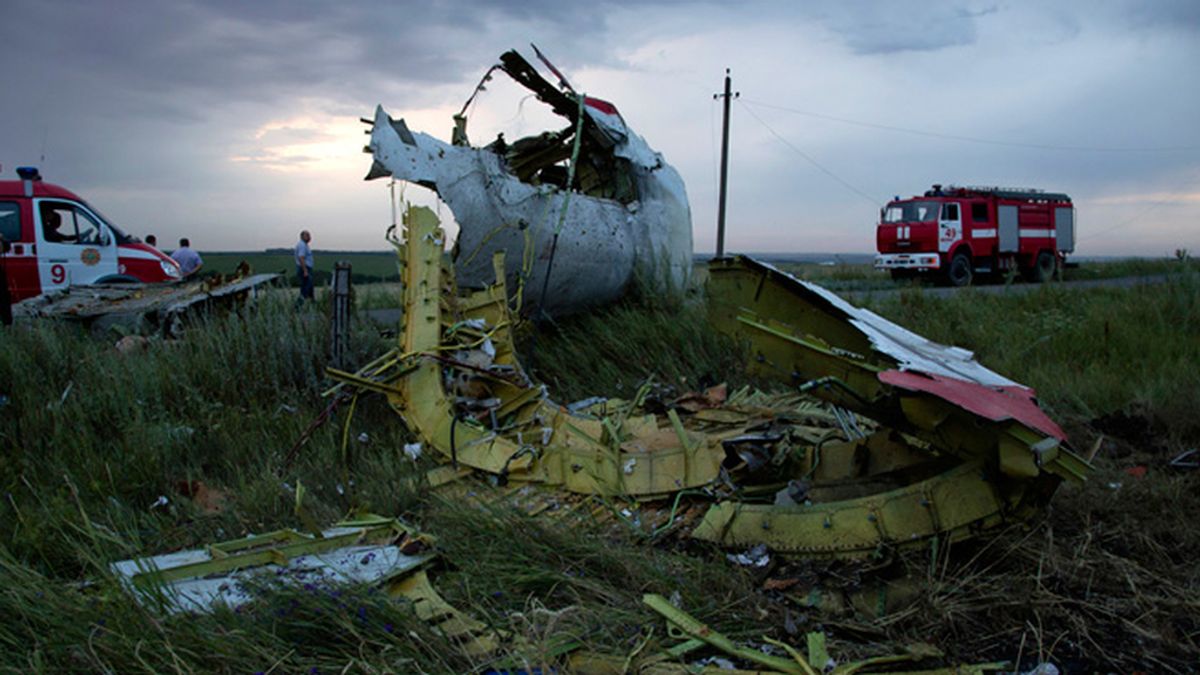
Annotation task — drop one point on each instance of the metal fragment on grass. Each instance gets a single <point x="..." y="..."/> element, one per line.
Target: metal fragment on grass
<point x="231" y="574"/>
<point x="885" y="440"/>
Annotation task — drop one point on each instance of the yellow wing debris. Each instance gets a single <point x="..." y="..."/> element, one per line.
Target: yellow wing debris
<point x="885" y="439"/>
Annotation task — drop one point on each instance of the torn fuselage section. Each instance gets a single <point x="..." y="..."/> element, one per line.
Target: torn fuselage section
<point x="851" y="456"/>
<point x="588" y="205"/>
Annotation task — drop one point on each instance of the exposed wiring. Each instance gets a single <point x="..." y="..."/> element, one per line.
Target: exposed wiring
<point x="969" y="139"/>
<point x="520" y="111"/>
<point x="1189" y="181"/>
<point x="487" y="76"/>
<point x="674" y="508"/>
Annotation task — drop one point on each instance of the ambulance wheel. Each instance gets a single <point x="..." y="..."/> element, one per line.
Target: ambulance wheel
<point x="959" y="273"/>
<point x="1043" y="268"/>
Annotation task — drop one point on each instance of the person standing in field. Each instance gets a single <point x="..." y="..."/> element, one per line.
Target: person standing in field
<point x="152" y="240"/>
<point x="304" y="267"/>
<point x="189" y="261"/>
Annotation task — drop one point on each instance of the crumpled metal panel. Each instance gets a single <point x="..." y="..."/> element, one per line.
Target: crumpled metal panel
<point x="229" y="574"/>
<point x="545" y="442"/>
<point x="804" y="335"/>
<point x="994" y="403"/>
<point x="366" y="549"/>
<point x="952" y="460"/>
<point x="155" y="301"/>
<point x="741" y="283"/>
<point x="601" y="242"/>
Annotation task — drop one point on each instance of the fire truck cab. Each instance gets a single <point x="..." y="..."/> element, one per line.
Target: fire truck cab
<point x="53" y="239"/>
<point x="958" y="232"/>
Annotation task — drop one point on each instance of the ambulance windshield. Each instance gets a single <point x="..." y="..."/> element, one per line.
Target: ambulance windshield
<point x="120" y="235"/>
<point x="911" y="212"/>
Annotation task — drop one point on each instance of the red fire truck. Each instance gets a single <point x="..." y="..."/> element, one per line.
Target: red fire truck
<point x="958" y="232"/>
<point x="53" y="239"/>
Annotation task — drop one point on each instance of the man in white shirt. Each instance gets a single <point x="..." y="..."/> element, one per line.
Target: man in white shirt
<point x="189" y="261"/>
<point x="304" y="266"/>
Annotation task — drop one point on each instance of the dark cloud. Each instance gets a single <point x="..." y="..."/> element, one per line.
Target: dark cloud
<point x="211" y="105"/>
<point x="1180" y="15"/>
<point x="885" y="28"/>
<point x="186" y="54"/>
<point x="110" y="91"/>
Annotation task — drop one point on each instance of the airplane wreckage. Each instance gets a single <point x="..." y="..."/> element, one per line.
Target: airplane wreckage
<point x="616" y="210"/>
<point x="874" y="439"/>
<point x="157" y="307"/>
<point x="885" y="441"/>
<point x="880" y="441"/>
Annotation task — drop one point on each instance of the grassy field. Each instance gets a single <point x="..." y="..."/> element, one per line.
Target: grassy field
<point x="96" y="445"/>
<point x="849" y="277"/>
<point x="371" y="267"/>
<point x="366" y="266"/>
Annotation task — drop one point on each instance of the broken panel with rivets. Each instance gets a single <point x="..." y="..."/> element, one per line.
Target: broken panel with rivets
<point x="878" y="437"/>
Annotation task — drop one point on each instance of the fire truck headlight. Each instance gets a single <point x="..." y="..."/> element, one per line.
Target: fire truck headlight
<point x="169" y="268"/>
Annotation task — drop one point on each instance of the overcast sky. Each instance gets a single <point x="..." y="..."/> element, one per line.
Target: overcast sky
<point x="236" y="123"/>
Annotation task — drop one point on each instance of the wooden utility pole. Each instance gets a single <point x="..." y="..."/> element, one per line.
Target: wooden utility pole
<point x="728" y="96"/>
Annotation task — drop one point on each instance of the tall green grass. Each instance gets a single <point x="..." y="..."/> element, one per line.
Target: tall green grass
<point x="612" y="351"/>
<point x="90" y="439"/>
<point x="88" y="429"/>
<point x="864" y="277"/>
<point x="366" y="267"/>
<point x="1088" y="353"/>
<point x="96" y="444"/>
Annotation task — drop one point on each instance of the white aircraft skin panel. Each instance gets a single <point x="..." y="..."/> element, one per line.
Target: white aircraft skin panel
<point x="601" y="242"/>
<point x="356" y="563"/>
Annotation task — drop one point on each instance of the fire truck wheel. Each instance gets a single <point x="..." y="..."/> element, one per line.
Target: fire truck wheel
<point x="1043" y="268"/>
<point x="959" y="273"/>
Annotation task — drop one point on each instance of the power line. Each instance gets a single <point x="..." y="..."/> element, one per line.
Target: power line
<point x="810" y="160"/>
<point x="1140" y="214"/>
<point x="968" y="139"/>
